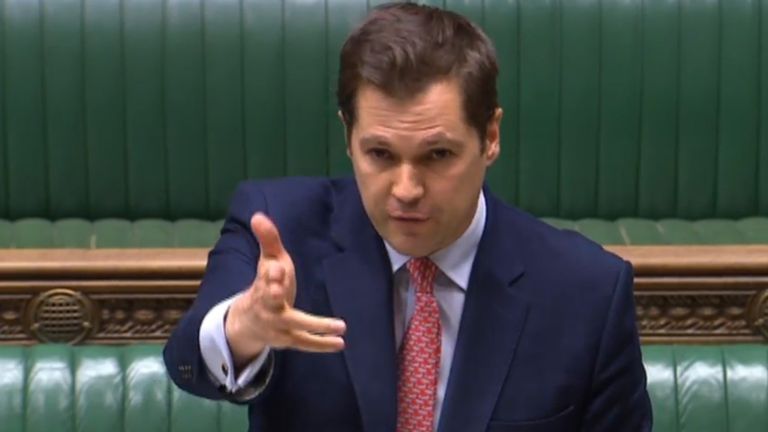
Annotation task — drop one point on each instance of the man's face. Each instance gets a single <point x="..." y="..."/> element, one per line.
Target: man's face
<point x="419" y="165"/>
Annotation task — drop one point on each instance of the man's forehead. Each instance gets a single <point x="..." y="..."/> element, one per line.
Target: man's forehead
<point x="438" y="137"/>
<point x="439" y="103"/>
<point x="444" y="88"/>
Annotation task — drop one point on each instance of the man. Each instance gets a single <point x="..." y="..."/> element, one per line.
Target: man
<point x="410" y="298"/>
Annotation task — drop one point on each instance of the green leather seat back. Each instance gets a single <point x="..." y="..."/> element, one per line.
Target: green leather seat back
<point x="708" y="388"/>
<point x="195" y="233"/>
<point x="108" y="233"/>
<point x="155" y="109"/>
<point x="96" y="389"/>
<point x="126" y="389"/>
<point x="634" y="231"/>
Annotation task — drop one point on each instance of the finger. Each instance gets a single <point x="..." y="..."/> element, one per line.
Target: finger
<point x="297" y="320"/>
<point x="266" y="233"/>
<point x="304" y="341"/>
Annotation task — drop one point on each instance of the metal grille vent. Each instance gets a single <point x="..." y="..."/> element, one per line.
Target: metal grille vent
<point x="60" y="316"/>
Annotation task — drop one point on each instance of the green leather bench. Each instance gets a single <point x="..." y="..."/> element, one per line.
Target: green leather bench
<point x="197" y="233"/>
<point x="125" y="389"/>
<point x="637" y="122"/>
<point x="58" y="388"/>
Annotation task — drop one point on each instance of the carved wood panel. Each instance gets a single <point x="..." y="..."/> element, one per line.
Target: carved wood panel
<point x="113" y="297"/>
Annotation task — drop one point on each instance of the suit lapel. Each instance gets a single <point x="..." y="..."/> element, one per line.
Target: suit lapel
<point x="491" y="323"/>
<point x="359" y="284"/>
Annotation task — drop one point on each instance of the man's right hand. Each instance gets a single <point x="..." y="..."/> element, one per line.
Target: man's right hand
<point x="264" y="315"/>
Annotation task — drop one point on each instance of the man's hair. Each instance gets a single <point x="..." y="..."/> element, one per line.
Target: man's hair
<point x="402" y="48"/>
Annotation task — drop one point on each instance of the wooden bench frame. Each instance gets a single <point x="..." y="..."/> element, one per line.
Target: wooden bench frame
<point x="684" y="294"/>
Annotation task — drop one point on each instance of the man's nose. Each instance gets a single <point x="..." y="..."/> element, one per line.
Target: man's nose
<point x="407" y="188"/>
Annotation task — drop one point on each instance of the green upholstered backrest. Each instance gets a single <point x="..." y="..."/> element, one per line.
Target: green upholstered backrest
<point x="708" y="388"/>
<point x="96" y="389"/>
<point x="153" y="108"/>
<point x="196" y="233"/>
<point x="110" y="233"/>
<point x="125" y="389"/>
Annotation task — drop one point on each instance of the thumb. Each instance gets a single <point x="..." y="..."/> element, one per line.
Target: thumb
<point x="266" y="233"/>
<point x="275" y="295"/>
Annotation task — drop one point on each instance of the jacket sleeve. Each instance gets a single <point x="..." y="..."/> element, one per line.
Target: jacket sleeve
<point x="619" y="399"/>
<point x="230" y="269"/>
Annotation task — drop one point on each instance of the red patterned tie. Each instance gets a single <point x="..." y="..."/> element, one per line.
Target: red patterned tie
<point x="420" y="354"/>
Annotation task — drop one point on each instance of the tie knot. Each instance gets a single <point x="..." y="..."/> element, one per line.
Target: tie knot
<point x="422" y="272"/>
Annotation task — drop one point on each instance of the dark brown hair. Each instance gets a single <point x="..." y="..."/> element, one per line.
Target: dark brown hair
<point x="402" y="48"/>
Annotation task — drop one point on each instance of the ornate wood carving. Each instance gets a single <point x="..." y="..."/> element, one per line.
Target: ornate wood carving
<point x="671" y="316"/>
<point x="758" y="313"/>
<point x="683" y="294"/>
<point x="141" y="317"/>
<point x="12" y="308"/>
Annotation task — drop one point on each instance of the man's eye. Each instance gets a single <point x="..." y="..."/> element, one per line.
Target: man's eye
<point x="379" y="153"/>
<point x="440" y="154"/>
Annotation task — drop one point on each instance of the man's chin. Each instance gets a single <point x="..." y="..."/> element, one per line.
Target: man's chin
<point x="411" y="245"/>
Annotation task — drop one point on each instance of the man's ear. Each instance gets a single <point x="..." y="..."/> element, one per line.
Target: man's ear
<point x="493" y="137"/>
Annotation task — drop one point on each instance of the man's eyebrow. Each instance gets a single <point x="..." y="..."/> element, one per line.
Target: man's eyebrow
<point x="374" y="139"/>
<point x="439" y="138"/>
<point x="430" y="140"/>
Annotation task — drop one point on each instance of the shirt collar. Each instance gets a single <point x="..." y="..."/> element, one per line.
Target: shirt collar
<point x="455" y="260"/>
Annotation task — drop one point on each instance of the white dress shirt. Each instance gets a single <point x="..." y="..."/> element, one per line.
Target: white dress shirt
<point x="451" y="283"/>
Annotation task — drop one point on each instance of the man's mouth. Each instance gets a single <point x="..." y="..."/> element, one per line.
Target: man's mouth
<point x="409" y="217"/>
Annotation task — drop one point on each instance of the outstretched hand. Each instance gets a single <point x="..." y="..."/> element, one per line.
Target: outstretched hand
<point x="265" y="316"/>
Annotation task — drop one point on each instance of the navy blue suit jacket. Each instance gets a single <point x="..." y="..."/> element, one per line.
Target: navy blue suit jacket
<point x="547" y="341"/>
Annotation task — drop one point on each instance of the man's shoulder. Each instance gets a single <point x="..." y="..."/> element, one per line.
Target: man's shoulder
<point x="296" y="187"/>
<point x="561" y="254"/>
<point x="300" y="205"/>
<point x="300" y="194"/>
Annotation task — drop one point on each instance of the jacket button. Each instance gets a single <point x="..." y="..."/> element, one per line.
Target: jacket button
<point x="224" y="369"/>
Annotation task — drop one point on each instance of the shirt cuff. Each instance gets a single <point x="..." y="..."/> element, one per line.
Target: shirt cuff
<point x="217" y="355"/>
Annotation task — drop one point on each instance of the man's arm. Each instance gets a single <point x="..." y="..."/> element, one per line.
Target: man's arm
<point x="231" y="269"/>
<point x="217" y="356"/>
<point x="248" y="259"/>
<point x="619" y="399"/>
